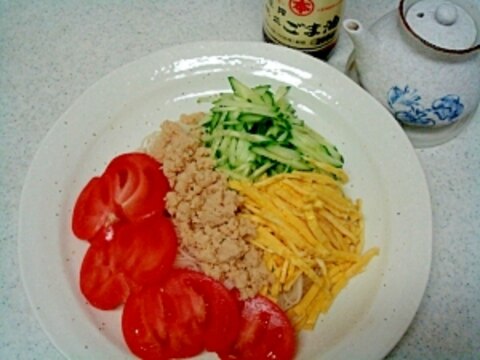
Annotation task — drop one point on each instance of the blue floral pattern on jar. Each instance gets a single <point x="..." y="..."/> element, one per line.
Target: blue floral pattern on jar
<point x="407" y="108"/>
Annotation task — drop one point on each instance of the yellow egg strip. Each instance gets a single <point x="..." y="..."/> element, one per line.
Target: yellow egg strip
<point x="308" y="229"/>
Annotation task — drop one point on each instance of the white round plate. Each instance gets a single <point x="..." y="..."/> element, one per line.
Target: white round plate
<point x="114" y="115"/>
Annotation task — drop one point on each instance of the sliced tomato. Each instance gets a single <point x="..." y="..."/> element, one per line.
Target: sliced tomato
<point x="102" y="285"/>
<point x="164" y="324"/>
<point x="94" y="209"/>
<point x="185" y="313"/>
<point x="132" y="187"/>
<point x="179" y="317"/>
<point x="222" y="324"/>
<point x="143" y="339"/>
<point x="145" y="250"/>
<point x="125" y="256"/>
<point x="139" y="185"/>
<point x="265" y="333"/>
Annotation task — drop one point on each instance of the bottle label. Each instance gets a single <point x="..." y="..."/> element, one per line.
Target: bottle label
<point x="307" y="25"/>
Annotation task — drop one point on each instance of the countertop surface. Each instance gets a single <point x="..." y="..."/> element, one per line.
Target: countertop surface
<point x="51" y="52"/>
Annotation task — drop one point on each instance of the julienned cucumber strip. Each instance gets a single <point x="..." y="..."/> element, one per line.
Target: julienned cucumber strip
<point x="288" y="157"/>
<point x="255" y="132"/>
<point x="315" y="146"/>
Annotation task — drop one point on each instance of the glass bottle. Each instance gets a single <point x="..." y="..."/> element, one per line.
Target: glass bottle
<point x="311" y="26"/>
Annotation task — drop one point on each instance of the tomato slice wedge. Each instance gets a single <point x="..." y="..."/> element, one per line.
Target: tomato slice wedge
<point x="180" y="317"/>
<point x="139" y="185"/>
<point x="143" y="339"/>
<point x="94" y="209"/>
<point x="265" y="333"/>
<point x="145" y="250"/>
<point x="132" y="187"/>
<point x="164" y="324"/>
<point x="102" y="285"/>
<point x="126" y="256"/>
<point x="185" y="313"/>
<point x="222" y="323"/>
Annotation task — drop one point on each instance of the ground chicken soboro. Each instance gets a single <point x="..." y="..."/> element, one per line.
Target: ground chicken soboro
<point x="204" y="210"/>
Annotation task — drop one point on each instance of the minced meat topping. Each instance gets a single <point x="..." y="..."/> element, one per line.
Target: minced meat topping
<point x="204" y="210"/>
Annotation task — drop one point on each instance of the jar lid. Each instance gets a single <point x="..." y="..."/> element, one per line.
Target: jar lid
<point x="443" y="24"/>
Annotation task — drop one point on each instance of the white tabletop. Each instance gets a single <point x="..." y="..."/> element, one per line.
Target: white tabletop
<point x="51" y="52"/>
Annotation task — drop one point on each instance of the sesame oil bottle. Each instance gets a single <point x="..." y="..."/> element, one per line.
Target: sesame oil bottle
<point x="311" y="26"/>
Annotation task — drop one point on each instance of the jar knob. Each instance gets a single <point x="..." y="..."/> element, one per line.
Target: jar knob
<point x="446" y="14"/>
<point x="444" y="24"/>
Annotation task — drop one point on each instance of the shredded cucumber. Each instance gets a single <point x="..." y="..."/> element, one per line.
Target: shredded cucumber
<point x="254" y="132"/>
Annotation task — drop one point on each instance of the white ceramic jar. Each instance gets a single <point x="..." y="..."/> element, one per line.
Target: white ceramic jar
<point x="422" y="62"/>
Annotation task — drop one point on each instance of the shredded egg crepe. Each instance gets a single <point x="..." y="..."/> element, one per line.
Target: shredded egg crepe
<point x="312" y="236"/>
